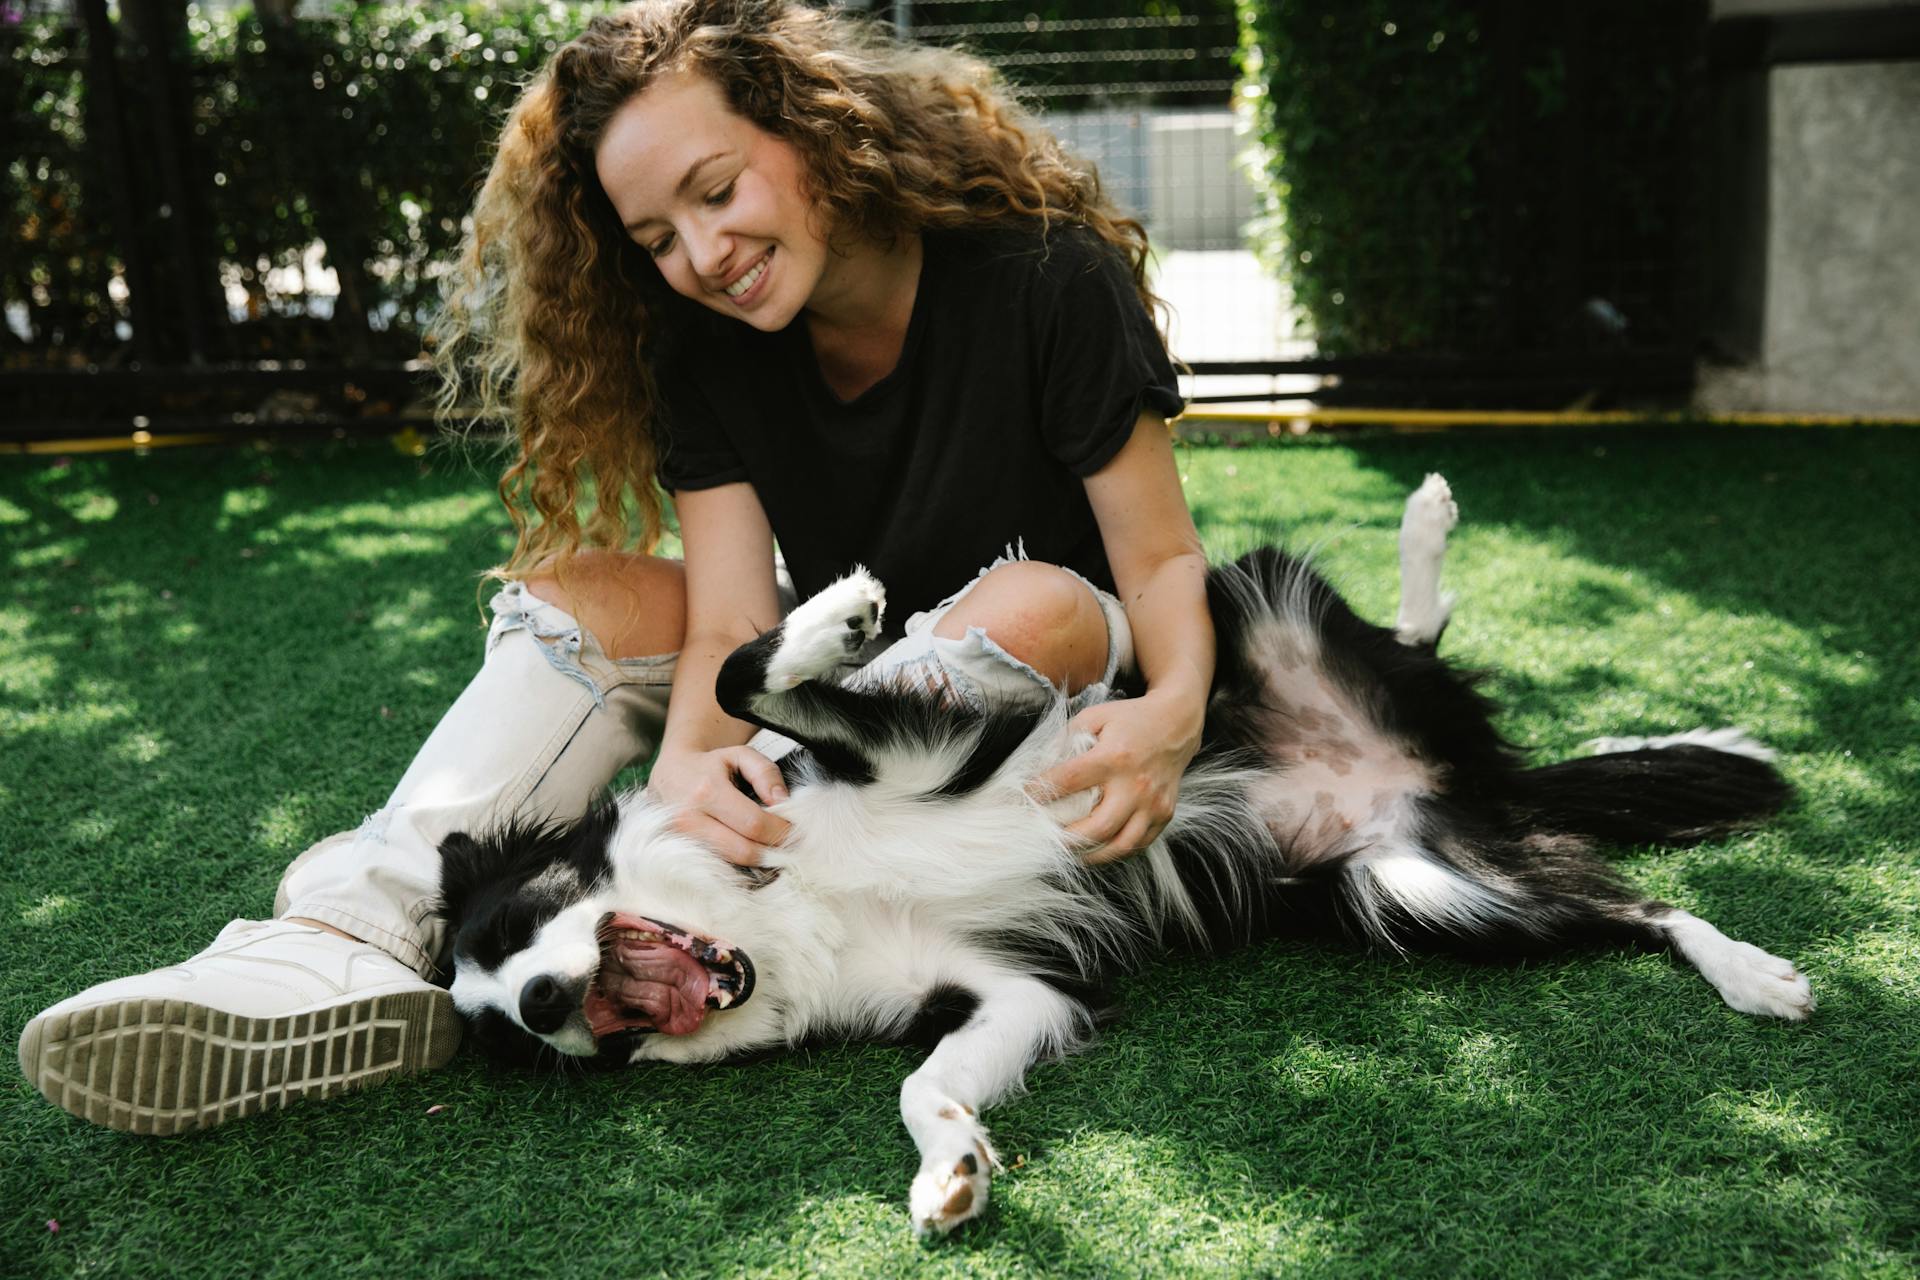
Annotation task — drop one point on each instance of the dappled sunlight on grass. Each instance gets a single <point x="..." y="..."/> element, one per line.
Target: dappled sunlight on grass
<point x="28" y="675"/>
<point x="237" y="505"/>
<point x="419" y="615"/>
<point x="427" y="680"/>
<point x="367" y="547"/>
<point x="47" y="553"/>
<point x="1295" y="1109"/>
<point x="1787" y="1122"/>
<point x="447" y="511"/>
<point x="140" y="748"/>
<point x="181" y="632"/>
<point x="72" y="720"/>
<point x="286" y="823"/>
<point x="90" y="506"/>
<point x="50" y="909"/>
<point x="1118" y="1199"/>
<point x="1835" y="782"/>
<point x="1310" y="1069"/>
<point x="1884" y="960"/>
<point x="92" y="828"/>
<point x="1489" y="1070"/>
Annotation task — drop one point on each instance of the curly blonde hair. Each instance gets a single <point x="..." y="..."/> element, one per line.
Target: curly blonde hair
<point x="552" y="309"/>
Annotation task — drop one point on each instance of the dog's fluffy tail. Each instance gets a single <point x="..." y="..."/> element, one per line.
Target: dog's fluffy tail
<point x="1657" y="791"/>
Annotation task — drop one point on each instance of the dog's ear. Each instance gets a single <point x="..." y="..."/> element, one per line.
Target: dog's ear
<point x="465" y="865"/>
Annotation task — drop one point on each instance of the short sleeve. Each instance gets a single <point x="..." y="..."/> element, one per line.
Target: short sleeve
<point x="694" y="451"/>
<point x="1104" y="362"/>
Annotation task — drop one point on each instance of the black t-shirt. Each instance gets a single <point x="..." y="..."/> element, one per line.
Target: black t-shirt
<point x="1026" y="364"/>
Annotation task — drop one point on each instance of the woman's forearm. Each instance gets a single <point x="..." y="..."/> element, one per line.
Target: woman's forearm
<point x="695" y="721"/>
<point x="1173" y="632"/>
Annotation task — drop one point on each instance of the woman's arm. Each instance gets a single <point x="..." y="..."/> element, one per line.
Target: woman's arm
<point x="731" y="598"/>
<point x="1143" y="744"/>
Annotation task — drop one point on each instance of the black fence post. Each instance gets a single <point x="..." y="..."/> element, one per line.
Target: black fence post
<point x="107" y="127"/>
<point x="161" y="28"/>
<point x="332" y="202"/>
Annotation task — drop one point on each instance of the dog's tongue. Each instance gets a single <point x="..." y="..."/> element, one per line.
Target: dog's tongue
<point x="655" y="985"/>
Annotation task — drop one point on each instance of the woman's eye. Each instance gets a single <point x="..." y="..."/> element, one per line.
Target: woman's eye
<point x="659" y="247"/>
<point x="721" y="196"/>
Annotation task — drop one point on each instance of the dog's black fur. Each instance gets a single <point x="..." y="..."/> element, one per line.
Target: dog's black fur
<point x="1453" y="844"/>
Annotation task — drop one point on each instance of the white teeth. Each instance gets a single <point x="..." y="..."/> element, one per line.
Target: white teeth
<point x="750" y="279"/>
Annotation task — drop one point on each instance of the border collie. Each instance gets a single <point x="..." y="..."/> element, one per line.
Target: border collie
<point x="1349" y="779"/>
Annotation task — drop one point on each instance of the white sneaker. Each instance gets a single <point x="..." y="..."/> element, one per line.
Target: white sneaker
<point x="271" y="1013"/>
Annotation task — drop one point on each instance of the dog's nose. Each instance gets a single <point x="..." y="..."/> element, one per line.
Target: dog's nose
<point x="545" y="1004"/>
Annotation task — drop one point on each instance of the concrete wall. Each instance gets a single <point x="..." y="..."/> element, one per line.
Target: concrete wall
<point x="1842" y="310"/>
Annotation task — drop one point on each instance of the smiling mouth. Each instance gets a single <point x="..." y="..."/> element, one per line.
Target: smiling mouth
<point x="661" y="978"/>
<point x="745" y="284"/>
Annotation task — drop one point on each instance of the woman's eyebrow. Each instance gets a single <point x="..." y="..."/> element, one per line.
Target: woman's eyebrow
<point x="686" y="184"/>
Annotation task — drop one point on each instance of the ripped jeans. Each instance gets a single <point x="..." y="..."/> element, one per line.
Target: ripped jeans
<point x="544" y="726"/>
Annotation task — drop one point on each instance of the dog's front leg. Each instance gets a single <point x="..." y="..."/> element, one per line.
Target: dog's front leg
<point x="1017" y="1021"/>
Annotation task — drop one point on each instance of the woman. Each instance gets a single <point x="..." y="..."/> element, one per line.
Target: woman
<point x="829" y="288"/>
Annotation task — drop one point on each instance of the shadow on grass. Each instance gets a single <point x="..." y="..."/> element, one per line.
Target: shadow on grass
<point x="1313" y="1111"/>
<point x="219" y="656"/>
<point x="1814" y="528"/>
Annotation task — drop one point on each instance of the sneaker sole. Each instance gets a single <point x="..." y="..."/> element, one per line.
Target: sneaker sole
<point x="163" y="1067"/>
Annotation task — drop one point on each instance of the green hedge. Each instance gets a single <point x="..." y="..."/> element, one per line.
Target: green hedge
<point x="1472" y="175"/>
<point x="374" y="121"/>
<point x="54" y="254"/>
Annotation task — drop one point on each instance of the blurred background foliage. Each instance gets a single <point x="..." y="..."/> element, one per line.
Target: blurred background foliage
<point x="366" y="127"/>
<point x="1484" y="180"/>
<point x="1474" y="175"/>
<point x="369" y="122"/>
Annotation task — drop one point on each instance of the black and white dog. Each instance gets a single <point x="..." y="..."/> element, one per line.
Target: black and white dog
<point x="1348" y="777"/>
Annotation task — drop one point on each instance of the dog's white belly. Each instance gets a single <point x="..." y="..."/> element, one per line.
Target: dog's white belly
<point x="1339" y="782"/>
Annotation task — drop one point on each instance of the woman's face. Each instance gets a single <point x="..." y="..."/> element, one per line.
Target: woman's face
<point x="719" y="204"/>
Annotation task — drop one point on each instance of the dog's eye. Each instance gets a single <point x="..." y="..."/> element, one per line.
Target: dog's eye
<point x="491" y="938"/>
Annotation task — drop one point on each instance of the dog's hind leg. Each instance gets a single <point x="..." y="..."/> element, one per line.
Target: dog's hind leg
<point x="1019" y="1020"/>
<point x="1747" y="978"/>
<point x="1424" y="608"/>
<point x="1552" y="896"/>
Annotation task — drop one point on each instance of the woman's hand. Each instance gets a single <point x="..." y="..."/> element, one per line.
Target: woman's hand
<point x="713" y="810"/>
<point x="1141" y="748"/>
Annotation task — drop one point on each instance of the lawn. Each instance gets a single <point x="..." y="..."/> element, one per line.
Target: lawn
<point x="210" y="658"/>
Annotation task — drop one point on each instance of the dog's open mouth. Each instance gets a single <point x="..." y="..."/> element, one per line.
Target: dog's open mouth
<point x="659" y="977"/>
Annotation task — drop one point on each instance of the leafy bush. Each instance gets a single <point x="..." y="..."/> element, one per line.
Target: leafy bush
<point x="55" y="258"/>
<point x="368" y="125"/>
<point x="1472" y="175"/>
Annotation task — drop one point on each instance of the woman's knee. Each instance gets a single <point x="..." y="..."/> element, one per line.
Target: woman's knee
<point x="1041" y="614"/>
<point x="634" y="605"/>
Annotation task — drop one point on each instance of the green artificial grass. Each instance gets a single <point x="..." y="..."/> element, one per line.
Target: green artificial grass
<point x="209" y="659"/>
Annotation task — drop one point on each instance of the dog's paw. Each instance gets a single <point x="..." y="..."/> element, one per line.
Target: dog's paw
<point x="827" y="632"/>
<point x="1747" y="978"/>
<point x="956" y="1163"/>
<point x="1430" y="516"/>
<point x="951" y="1187"/>
<point x="1756" y="981"/>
